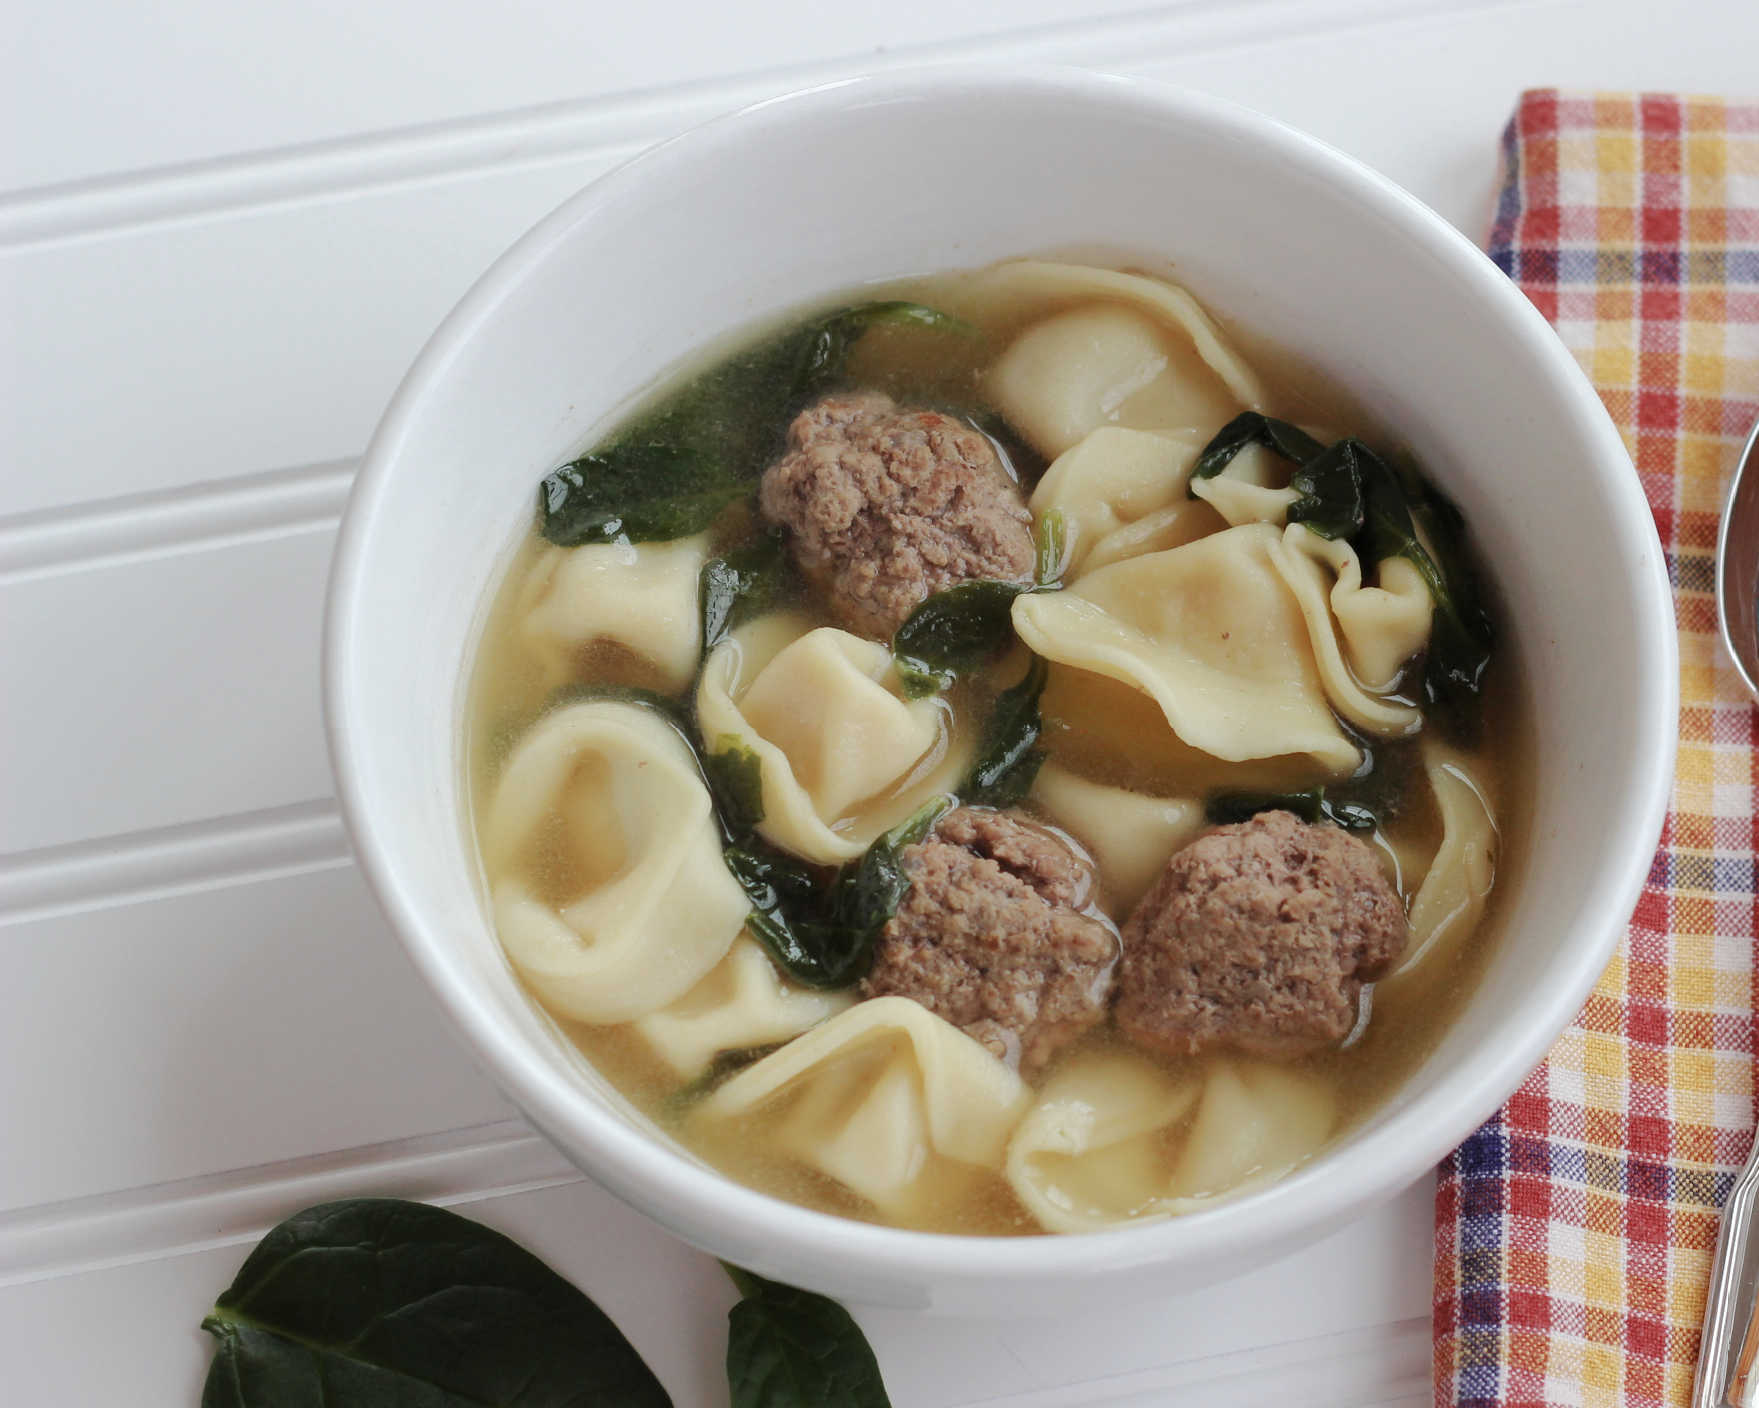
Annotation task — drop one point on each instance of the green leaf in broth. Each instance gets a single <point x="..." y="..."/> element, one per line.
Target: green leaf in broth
<point x="376" y="1301"/>
<point x="1008" y="759"/>
<point x="1330" y="489"/>
<point x="634" y="494"/>
<point x="737" y="412"/>
<point x="740" y="584"/>
<point x="826" y="345"/>
<point x="1050" y="538"/>
<point x="1251" y="428"/>
<point x="1461" y="637"/>
<point x="735" y="779"/>
<point x="952" y="632"/>
<point x="1226" y="808"/>
<point x="788" y="1348"/>
<point x="821" y="926"/>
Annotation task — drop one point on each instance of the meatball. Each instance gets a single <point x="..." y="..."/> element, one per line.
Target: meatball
<point x="1257" y="937"/>
<point x="991" y="936"/>
<point x="887" y="506"/>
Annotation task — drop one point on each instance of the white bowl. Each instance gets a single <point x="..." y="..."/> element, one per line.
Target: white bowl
<point x="867" y="180"/>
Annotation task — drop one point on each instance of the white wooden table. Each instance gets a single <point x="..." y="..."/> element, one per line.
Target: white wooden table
<point x="224" y="232"/>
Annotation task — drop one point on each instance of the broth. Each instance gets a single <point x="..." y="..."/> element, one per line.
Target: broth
<point x="1100" y="730"/>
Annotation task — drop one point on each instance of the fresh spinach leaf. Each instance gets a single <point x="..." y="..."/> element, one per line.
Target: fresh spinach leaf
<point x="1008" y="760"/>
<point x="1251" y="428"/>
<point x="379" y="1303"/>
<point x="735" y="778"/>
<point x="1050" y="538"/>
<point x="821" y="926"/>
<point x="952" y="632"/>
<point x="737" y="586"/>
<point x="1312" y="805"/>
<point x="788" y="1348"/>
<point x="634" y="494"/>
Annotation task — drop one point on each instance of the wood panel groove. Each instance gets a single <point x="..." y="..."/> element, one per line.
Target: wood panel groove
<point x="138" y="527"/>
<point x="624" y="123"/>
<point x="171" y="860"/>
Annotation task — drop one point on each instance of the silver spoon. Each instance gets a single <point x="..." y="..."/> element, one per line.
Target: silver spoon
<point x="1728" y="1357"/>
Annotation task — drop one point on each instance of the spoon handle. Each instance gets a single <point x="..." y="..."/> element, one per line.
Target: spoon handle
<point x="1728" y="1356"/>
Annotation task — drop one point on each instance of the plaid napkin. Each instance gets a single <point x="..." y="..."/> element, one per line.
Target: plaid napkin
<point x="1573" y="1233"/>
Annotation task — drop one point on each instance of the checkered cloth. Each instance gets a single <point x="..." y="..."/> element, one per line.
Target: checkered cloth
<point x="1573" y="1233"/>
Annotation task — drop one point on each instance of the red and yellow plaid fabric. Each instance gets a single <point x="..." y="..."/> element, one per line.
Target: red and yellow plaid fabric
<point x="1574" y="1231"/>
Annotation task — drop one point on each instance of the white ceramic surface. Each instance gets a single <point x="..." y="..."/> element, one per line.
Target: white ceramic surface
<point x="944" y="168"/>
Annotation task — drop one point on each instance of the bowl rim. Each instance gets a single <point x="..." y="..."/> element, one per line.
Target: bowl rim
<point x="729" y="1218"/>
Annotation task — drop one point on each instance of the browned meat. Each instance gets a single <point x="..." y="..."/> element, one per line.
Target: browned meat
<point x="1257" y="937"/>
<point x="991" y="937"/>
<point x="886" y="506"/>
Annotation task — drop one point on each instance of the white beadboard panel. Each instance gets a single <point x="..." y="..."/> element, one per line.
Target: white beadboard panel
<point x="163" y="691"/>
<point x="217" y="1029"/>
<point x="398" y="63"/>
<point x="1329" y="1322"/>
<point x="269" y="335"/>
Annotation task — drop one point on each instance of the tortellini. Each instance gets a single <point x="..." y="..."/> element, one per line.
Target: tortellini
<point x="887" y="1099"/>
<point x="1211" y="632"/>
<point x="1361" y="636"/>
<point x="842" y="755"/>
<point x="1129" y="834"/>
<point x="1450" y="901"/>
<point x="1122" y="493"/>
<point x="1103" y="1142"/>
<point x="1110" y="349"/>
<point x="642" y="597"/>
<point x="611" y="897"/>
<point x="742" y="1004"/>
<point x="1253" y="488"/>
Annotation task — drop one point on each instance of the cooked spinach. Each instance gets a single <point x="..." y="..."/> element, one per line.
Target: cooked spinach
<point x="378" y="1303"/>
<point x="1008" y="759"/>
<point x="674" y="469"/>
<point x="820" y="925"/>
<point x="788" y="1348"/>
<point x="953" y="631"/>
<point x="1312" y="805"/>
<point x="1051" y="544"/>
<point x="738" y="585"/>
<point x="825" y="345"/>
<point x="1348" y="492"/>
<point x="1251" y="428"/>
<point x="1330" y="489"/>
<point x="634" y="494"/>
<point x="735" y="780"/>
<point x="1462" y="635"/>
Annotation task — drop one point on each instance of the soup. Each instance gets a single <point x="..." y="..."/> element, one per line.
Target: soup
<point x="985" y="758"/>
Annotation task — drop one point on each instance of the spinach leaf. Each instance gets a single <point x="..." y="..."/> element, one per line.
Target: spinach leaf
<point x="821" y="929"/>
<point x="1251" y="428"/>
<point x="1051" y="556"/>
<point x="1461" y="637"/>
<point x="1008" y="761"/>
<point x="789" y="1348"/>
<point x="379" y="1303"/>
<point x="737" y="412"/>
<point x="826" y="345"/>
<point x="953" y="631"/>
<point x="735" y="777"/>
<point x="737" y="586"/>
<point x="1313" y="806"/>
<point x="634" y="493"/>
<point x="1330" y="486"/>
